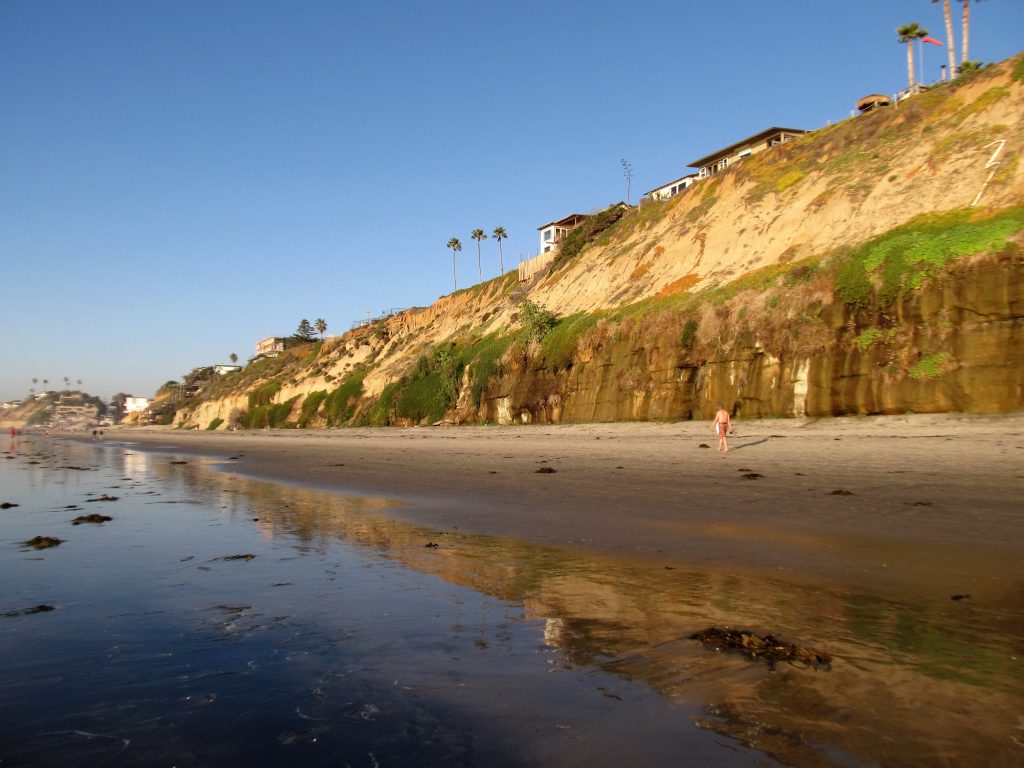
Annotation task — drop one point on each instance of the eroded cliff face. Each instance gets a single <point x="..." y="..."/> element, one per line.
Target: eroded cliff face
<point x="952" y="343"/>
<point x="957" y="344"/>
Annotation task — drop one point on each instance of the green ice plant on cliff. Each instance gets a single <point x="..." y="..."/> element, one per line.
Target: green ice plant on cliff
<point x="340" y="404"/>
<point x="903" y="258"/>
<point x="930" y="367"/>
<point x="433" y="387"/>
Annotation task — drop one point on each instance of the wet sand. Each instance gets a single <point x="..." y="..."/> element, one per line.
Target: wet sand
<point x="926" y="505"/>
<point x="639" y="537"/>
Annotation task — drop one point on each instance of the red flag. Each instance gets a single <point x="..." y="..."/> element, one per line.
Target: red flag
<point x="931" y="40"/>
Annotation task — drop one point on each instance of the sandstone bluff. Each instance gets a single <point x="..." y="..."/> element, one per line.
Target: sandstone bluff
<point x="847" y="272"/>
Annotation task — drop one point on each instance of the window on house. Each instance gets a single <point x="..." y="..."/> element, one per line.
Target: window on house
<point x="547" y="235"/>
<point x="547" y="248"/>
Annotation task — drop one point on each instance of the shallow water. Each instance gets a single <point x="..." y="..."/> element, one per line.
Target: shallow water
<point x="346" y="640"/>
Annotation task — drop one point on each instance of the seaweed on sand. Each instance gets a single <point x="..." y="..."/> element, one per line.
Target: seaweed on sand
<point x="764" y="648"/>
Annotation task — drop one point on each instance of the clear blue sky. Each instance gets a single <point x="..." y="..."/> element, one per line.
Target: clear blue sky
<point x="181" y="178"/>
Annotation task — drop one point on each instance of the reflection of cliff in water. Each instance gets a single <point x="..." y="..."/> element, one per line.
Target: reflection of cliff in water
<point x="911" y="684"/>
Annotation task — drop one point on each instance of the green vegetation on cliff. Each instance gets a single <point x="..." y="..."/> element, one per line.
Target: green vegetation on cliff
<point x="903" y="258"/>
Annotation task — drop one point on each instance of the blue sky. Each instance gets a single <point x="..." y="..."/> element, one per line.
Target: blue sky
<point x="179" y="179"/>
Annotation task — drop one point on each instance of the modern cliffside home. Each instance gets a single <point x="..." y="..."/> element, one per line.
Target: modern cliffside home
<point x="718" y="161"/>
<point x="270" y="345"/>
<point x="552" y="233"/>
<point x="673" y="188"/>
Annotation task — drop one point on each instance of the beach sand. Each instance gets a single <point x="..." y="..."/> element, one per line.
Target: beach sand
<point x="926" y="505"/>
<point x="890" y="544"/>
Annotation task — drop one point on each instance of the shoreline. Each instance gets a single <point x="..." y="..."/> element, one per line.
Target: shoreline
<point x="923" y="504"/>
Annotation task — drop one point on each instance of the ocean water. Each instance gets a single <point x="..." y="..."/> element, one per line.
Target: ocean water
<point x="216" y="620"/>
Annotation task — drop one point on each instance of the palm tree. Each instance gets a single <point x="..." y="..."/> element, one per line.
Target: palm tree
<point x="950" y="44"/>
<point x="67" y="382"/>
<point x="321" y="326"/>
<point x="233" y="358"/>
<point x="478" y="235"/>
<point x="45" y="383"/>
<point x="456" y="246"/>
<point x="908" y="34"/>
<point x="499" y="235"/>
<point x="966" y="29"/>
<point x="79" y="383"/>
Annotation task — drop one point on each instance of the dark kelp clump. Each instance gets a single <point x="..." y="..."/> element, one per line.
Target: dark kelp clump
<point x="94" y="518"/>
<point x="764" y="648"/>
<point x="43" y="542"/>
<point x="29" y="611"/>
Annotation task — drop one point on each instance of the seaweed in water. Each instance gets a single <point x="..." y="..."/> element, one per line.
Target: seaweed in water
<point x="104" y="497"/>
<point x="235" y="557"/>
<point x="41" y="608"/>
<point x="7" y="505"/>
<point x="91" y="519"/>
<point x="43" y="542"/>
<point x="764" y="648"/>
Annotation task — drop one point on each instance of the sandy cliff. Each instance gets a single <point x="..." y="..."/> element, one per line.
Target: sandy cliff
<point x="743" y="289"/>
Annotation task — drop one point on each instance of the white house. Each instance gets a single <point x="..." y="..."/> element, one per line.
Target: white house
<point x="552" y="233"/>
<point x="673" y="188"/>
<point x="135" y="404"/>
<point x="718" y="161"/>
<point x="270" y="345"/>
<point x="220" y="370"/>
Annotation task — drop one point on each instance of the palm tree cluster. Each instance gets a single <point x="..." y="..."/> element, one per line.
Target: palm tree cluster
<point x="908" y="33"/>
<point x="46" y="382"/>
<point x="455" y="245"/>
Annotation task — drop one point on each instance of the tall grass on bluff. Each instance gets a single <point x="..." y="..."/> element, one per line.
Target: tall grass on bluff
<point x="310" y="406"/>
<point x="903" y="258"/>
<point x="340" y="405"/>
<point x="484" y="359"/>
<point x="269" y="416"/>
<point x="433" y="386"/>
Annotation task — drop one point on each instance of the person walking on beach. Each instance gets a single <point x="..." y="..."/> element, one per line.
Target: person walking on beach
<point x="721" y="426"/>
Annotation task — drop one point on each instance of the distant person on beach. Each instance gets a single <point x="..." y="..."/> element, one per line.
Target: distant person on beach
<point x="721" y="426"/>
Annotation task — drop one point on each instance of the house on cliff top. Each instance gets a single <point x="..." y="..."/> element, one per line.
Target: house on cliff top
<point x="718" y="161"/>
<point x="672" y="189"/>
<point x="551" y="236"/>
